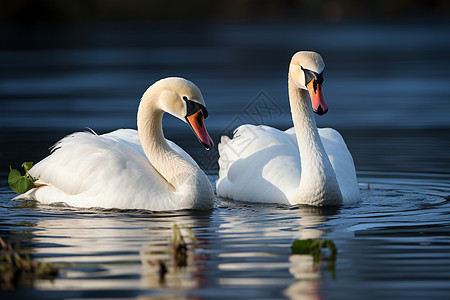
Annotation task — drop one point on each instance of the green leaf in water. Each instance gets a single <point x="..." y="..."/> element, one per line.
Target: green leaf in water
<point x="21" y="183"/>
<point x="314" y="248"/>
<point x="17" y="270"/>
<point x="302" y="246"/>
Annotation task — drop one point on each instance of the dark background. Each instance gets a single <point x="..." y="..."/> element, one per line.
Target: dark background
<point x="69" y="12"/>
<point x="69" y="65"/>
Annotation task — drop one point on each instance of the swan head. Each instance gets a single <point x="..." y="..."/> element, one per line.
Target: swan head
<point x="306" y="70"/>
<point x="183" y="99"/>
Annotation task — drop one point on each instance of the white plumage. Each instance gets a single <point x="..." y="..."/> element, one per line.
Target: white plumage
<point x="270" y="170"/>
<point x="264" y="164"/>
<point x="115" y="170"/>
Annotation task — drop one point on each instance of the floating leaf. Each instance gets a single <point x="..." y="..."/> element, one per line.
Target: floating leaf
<point x="302" y="246"/>
<point x="314" y="248"/>
<point x="21" y="183"/>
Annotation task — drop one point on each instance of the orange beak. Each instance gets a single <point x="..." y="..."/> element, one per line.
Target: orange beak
<point x="315" y="93"/>
<point x="197" y="125"/>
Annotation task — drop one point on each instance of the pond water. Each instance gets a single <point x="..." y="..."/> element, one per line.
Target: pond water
<point x="386" y="86"/>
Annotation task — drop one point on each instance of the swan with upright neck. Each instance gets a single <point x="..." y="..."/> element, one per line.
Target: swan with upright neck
<point x="302" y="165"/>
<point x="129" y="169"/>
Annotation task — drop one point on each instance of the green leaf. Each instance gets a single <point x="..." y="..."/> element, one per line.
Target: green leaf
<point x="314" y="248"/>
<point x="27" y="166"/>
<point x="21" y="183"/>
<point x="302" y="246"/>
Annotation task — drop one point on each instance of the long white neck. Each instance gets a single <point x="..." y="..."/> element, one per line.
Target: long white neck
<point x="318" y="183"/>
<point x="186" y="180"/>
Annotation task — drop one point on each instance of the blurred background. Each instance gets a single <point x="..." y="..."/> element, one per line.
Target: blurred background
<point x="70" y="11"/>
<point x="69" y="65"/>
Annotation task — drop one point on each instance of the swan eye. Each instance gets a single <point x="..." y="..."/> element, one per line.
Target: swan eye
<point x="311" y="75"/>
<point x="194" y="107"/>
<point x="185" y="98"/>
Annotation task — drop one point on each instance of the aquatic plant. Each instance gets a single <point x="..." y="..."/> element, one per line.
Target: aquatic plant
<point x="314" y="248"/>
<point x="21" y="183"/>
<point x="179" y="247"/>
<point x="17" y="269"/>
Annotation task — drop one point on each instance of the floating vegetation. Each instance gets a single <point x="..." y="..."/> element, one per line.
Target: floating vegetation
<point x="174" y="258"/>
<point x="21" y="183"/>
<point x="17" y="269"/>
<point x="314" y="248"/>
<point x="179" y="248"/>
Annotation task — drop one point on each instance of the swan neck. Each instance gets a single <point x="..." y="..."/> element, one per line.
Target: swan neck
<point x="308" y="137"/>
<point x="170" y="165"/>
<point x="318" y="183"/>
<point x="149" y="124"/>
<point x="187" y="185"/>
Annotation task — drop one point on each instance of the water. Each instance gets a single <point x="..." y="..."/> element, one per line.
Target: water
<point x="387" y="89"/>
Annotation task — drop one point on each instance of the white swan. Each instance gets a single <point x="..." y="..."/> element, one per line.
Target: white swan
<point x="129" y="169"/>
<point x="302" y="165"/>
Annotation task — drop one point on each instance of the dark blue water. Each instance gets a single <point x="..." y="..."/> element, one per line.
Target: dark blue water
<point x="387" y="89"/>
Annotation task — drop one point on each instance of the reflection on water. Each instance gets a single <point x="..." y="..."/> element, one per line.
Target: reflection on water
<point x="116" y="252"/>
<point x="398" y="234"/>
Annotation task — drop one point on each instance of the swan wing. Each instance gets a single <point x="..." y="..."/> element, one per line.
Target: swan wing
<point x="259" y="164"/>
<point x="342" y="163"/>
<point x="262" y="164"/>
<point x="110" y="171"/>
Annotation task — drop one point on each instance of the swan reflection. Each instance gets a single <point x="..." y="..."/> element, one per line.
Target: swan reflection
<point x="116" y="251"/>
<point x="304" y="268"/>
<point x="128" y="251"/>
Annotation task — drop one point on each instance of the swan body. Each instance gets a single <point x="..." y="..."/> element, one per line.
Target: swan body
<point x="302" y="165"/>
<point x="129" y="169"/>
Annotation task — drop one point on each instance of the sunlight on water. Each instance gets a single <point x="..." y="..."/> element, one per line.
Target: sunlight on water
<point x="400" y="225"/>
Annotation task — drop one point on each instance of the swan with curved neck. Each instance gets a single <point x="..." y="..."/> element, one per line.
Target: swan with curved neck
<point x="302" y="165"/>
<point x="129" y="169"/>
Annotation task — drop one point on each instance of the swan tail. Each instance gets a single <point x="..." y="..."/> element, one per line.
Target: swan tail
<point x="30" y="194"/>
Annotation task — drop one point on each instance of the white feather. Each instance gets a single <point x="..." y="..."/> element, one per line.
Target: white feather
<point x="114" y="170"/>
<point x="264" y="164"/>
